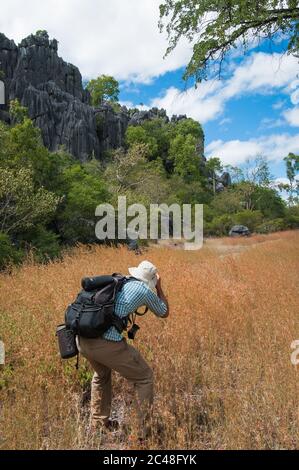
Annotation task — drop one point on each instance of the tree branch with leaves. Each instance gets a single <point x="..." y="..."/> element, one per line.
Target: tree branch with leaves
<point x="216" y="27"/>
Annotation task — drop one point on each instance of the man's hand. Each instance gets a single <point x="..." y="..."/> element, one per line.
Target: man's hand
<point x="161" y="294"/>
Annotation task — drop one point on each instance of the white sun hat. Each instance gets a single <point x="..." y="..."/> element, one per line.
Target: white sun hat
<point x="146" y="272"/>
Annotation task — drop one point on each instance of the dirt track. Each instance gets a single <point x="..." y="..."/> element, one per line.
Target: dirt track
<point x="224" y="246"/>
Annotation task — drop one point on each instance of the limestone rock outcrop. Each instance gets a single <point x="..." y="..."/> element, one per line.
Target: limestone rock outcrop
<point x="58" y="104"/>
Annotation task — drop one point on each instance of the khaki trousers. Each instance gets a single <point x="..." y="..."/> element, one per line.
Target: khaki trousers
<point x="105" y="356"/>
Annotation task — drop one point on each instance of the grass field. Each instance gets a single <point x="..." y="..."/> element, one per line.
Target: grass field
<point x="223" y="375"/>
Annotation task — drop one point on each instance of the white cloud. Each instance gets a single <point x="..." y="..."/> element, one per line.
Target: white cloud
<point x="225" y="121"/>
<point x="295" y="96"/>
<point x="279" y="104"/>
<point x="281" y="180"/>
<point x="202" y="103"/>
<point x="268" y="123"/>
<point x="260" y="73"/>
<point x="293" y="91"/>
<point x="234" y="152"/>
<point x="118" y="37"/>
<point x="292" y="116"/>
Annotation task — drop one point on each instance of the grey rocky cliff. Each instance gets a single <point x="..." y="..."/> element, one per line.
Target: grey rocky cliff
<point x="111" y="127"/>
<point x="138" y="117"/>
<point x="53" y="92"/>
<point x="58" y="104"/>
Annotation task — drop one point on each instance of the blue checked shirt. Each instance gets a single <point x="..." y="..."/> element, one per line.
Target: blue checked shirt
<point x="133" y="295"/>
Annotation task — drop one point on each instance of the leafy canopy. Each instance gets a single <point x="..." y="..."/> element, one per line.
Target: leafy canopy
<point x="103" y="88"/>
<point x="83" y="193"/>
<point x="215" y="27"/>
<point x="183" y="153"/>
<point x="292" y="169"/>
<point x="21" y="205"/>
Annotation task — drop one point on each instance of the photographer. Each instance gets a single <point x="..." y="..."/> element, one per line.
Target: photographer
<point x="112" y="352"/>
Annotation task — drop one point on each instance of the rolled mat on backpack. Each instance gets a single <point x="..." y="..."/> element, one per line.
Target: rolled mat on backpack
<point x="93" y="283"/>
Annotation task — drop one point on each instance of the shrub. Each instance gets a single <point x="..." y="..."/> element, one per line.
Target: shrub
<point x="270" y="226"/>
<point x="219" y="226"/>
<point x="292" y="217"/>
<point x="84" y="192"/>
<point x="249" y="218"/>
<point x="137" y="135"/>
<point x="269" y="202"/>
<point x="21" y="205"/>
<point x="8" y="253"/>
<point x="45" y="244"/>
<point x="228" y="201"/>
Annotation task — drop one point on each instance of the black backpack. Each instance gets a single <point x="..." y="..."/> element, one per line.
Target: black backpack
<point x="92" y="313"/>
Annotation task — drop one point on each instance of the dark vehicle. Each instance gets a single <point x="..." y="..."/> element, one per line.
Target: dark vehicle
<point x="239" y="231"/>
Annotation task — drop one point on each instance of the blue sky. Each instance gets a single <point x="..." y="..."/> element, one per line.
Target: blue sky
<point x="248" y="116"/>
<point x="253" y="111"/>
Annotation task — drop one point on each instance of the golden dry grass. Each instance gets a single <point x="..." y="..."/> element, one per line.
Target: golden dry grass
<point x="223" y="375"/>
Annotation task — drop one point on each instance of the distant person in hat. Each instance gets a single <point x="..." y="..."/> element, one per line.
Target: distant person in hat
<point x="112" y="352"/>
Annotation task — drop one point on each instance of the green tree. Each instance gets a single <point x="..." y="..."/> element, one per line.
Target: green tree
<point x="292" y="216"/>
<point x="158" y="135"/>
<point x="83" y="193"/>
<point x="246" y="190"/>
<point x="215" y="27"/>
<point x="157" y="129"/>
<point x="137" y="135"/>
<point x="21" y="205"/>
<point x="219" y="226"/>
<point x="8" y="252"/>
<point x="257" y="171"/>
<point x="228" y="201"/>
<point x="132" y="175"/>
<point x="22" y="147"/>
<point x="292" y="169"/>
<point x="249" y="218"/>
<point x="103" y="88"/>
<point x="188" y="192"/>
<point x="42" y="33"/>
<point x="270" y="226"/>
<point x="18" y="113"/>
<point x="268" y="201"/>
<point x="235" y="172"/>
<point x="43" y="243"/>
<point x="186" y="127"/>
<point x="213" y="166"/>
<point x="183" y="153"/>
<point x="255" y="174"/>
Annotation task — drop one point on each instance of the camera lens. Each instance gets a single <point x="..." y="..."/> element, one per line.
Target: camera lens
<point x="132" y="332"/>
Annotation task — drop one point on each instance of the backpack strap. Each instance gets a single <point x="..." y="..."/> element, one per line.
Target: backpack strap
<point x="121" y="324"/>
